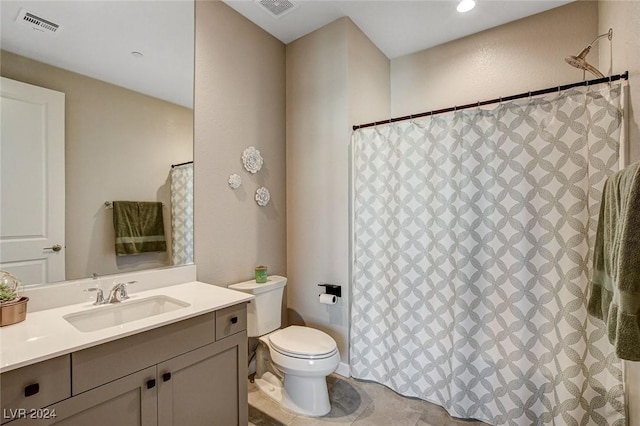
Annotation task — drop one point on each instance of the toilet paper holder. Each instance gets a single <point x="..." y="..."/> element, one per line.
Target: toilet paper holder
<point x="333" y="289"/>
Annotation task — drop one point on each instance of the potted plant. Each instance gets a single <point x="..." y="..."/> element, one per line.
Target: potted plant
<point x="13" y="307"/>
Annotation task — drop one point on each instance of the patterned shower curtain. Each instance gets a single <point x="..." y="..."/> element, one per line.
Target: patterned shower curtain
<point x="182" y="214"/>
<point x="473" y="235"/>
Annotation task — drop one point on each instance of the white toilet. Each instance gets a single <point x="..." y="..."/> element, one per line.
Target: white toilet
<point x="292" y="364"/>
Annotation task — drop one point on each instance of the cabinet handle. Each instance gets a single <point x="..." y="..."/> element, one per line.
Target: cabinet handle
<point x="234" y="320"/>
<point x="31" y="389"/>
<point x="151" y="383"/>
<point x="166" y="377"/>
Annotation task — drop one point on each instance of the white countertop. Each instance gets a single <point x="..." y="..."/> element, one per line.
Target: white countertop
<point x="46" y="334"/>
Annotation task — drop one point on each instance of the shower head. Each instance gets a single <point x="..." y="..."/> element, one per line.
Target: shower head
<point x="580" y="63"/>
<point x="579" y="60"/>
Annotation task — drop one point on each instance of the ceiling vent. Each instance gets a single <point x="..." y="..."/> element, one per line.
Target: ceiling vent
<point x="276" y="8"/>
<point x="37" y="23"/>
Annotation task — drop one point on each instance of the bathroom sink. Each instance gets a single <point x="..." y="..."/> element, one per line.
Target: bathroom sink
<point x="122" y="313"/>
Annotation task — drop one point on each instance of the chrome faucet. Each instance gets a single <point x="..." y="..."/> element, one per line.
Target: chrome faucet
<point x="117" y="294"/>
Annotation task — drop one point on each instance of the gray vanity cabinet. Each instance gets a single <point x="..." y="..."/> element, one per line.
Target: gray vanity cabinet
<point x="193" y="372"/>
<point x="206" y="386"/>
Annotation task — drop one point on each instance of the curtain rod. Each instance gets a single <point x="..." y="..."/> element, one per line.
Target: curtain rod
<point x="609" y="79"/>
<point x="181" y="164"/>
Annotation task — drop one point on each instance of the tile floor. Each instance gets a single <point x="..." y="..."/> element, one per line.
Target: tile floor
<point x="355" y="402"/>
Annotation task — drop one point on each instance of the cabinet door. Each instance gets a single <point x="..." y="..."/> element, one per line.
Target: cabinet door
<point x="129" y="401"/>
<point x="206" y="386"/>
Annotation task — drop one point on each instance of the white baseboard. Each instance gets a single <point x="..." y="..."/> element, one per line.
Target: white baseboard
<point x="344" y="370"/>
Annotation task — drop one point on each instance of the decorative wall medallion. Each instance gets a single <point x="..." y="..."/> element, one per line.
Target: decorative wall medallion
<point x="252" y="159"/>
<point x="262" y="196"/>
<point x="234" y="181"/>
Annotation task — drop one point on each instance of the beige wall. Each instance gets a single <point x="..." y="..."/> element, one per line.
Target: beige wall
<point x="514" y="58"/>
<point x="624" y="18"/>
<point x="335" y="77"/>
<point x="119" y="146"/>
<point x="239" y="102"/>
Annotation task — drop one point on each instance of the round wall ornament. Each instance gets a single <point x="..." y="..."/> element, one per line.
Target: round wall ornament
<point x="252" y="160"/>
<point x="262" y="196"/>
<point x="234" y="181"/>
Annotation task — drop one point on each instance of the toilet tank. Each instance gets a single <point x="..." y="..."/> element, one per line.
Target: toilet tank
<point x="263" y="312"/>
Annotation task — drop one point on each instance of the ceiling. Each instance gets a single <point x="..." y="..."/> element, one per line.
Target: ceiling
<point x="97" y="36"/>
<point x="397" y="27"/>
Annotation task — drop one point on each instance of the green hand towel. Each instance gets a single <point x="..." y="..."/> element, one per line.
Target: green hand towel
<point x="615" y="284"/>
<point x="139" y="227"/>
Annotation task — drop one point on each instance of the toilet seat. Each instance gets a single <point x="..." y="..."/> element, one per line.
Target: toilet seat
<point x="303" y="342"/>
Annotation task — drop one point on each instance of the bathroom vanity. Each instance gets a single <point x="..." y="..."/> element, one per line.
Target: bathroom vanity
<point x="187" y="366"/>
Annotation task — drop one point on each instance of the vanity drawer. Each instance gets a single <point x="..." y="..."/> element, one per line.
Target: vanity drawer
<point x="101" y="364"/>
<point x="231" y="320"/>
<point x="35" y="386"/>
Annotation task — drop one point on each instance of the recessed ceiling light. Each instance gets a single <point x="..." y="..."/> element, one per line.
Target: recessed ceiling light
<point x="137" y="54"/>
<point x="466" y="5"/>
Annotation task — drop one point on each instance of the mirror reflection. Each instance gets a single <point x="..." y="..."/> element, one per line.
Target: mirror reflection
<point x="125" y="72"/>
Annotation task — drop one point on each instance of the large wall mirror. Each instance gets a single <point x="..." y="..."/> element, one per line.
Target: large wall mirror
<point x="126" y="70"/>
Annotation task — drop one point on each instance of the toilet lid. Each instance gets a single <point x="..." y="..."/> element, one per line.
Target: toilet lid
<point x="302" y="341"/>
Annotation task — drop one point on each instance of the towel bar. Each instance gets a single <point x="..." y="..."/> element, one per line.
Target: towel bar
<point x="109" y="204"/>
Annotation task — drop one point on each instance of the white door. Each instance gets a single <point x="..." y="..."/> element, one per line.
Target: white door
<point x="32" y="245"/>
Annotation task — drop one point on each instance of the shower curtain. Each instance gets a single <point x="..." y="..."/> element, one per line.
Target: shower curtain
<point x="472" y="247"/>
<point x="182" y="214"/>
